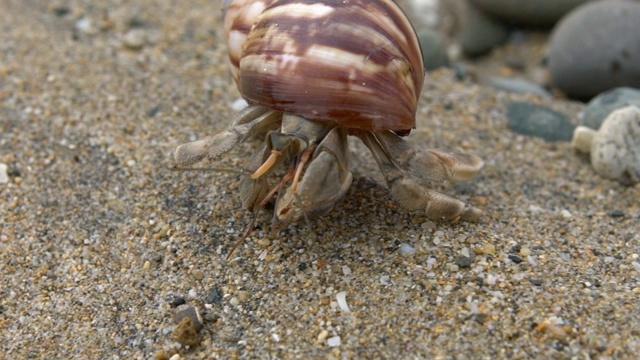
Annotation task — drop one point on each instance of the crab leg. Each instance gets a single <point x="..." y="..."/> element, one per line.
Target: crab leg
<point x="213" y="147"/>
<point x="404" y="187"/>
<point x="427" y="164"/>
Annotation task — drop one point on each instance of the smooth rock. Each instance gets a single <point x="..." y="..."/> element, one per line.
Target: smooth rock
<point x="177" y="301"/>
<point x="616" y="213"/>
<point x="528" y="12"/>
<point x="215" y="296"/>
<point x="604" y="104"/>
<point x="616" y="146"/>
<point x="422" y="13"/>
<point x="135" y="39"/>
<point x="464" y="262"/>
<point x="405" y="250"/>
<point x="517" y="86"/>
<point x="434" y="52"/>
<point x="462" y="71"/>
<point x="478" y="33"/>
<point x="539" y="121"/>
<point x="596" y="48"/>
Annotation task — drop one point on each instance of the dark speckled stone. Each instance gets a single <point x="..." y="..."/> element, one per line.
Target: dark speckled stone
<point x="596" y="48"/>
<point x="539" y="121"/>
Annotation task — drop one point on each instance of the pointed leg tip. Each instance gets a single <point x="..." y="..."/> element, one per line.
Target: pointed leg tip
<point x="471" y="214"/>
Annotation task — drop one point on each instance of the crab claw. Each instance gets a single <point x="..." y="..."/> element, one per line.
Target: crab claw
<point x="324" y="183"/>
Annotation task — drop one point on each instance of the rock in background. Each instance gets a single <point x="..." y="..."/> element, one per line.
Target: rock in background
<point x="597" y="48"/>
<point x="604" y="104"/>
<point x="529" y="12"/>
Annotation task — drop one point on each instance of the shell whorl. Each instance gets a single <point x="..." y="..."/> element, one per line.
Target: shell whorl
<point x="354" y="62"/>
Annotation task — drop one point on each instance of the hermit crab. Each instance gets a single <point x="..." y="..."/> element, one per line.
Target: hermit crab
<point x="314" y="72"/>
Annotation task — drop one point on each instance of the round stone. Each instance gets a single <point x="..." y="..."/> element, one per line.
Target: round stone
<point x="478" y="33"/>
<point x="615" y="148"/>
<point x="434" y="52"/>
<point x="538" y="121"/>
<point x="516" y="86"/>
<point x="607" y="102"/>
<point x="530" y="12"/>
<point x="595" y="48"/>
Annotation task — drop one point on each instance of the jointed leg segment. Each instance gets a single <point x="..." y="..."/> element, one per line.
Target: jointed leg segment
<point x="407" y="170"/>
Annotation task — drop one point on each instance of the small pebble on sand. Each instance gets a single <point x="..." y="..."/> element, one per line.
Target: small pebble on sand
<point x="4" y="177"/>
<point x="334" y="341"/>
<point x="406" y="250"/>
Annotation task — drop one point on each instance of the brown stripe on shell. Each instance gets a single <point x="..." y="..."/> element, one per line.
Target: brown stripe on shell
<point x="355" y="62"/>
<point x="239" y="17"/>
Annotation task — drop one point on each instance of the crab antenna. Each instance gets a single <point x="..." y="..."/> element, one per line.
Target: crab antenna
<point x="274" y="218"/>
<point x="302" y="161"/>
<point x="244" y="238"/>
<point x="276" y="189"/>
<point x="304" y="213"/>
<point x="205" y="169"/>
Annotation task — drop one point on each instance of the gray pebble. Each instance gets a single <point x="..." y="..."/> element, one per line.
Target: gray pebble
<point x="406" y="250"/>
<point x="464" y="262"/>
<point x="604" y="104"/>
<point x="517" y="86"/>
<point x="215" y="296"/>
<point x="617" y="214"/>
<point x="462" y="71"/>
<point x="135" y="39"/>
<point x="529" y="12"/>
<point x="478" y="33"/>
<point x="480" y="318"/>
<point x="536" y="282"/>
<point x="61" y="10"/>
<point x="515" y="258"/>
<point x="596" y="48"/>
<point x="177" y="301"/>
<point x="539" y="121"/>
<point x="434" y="52"/>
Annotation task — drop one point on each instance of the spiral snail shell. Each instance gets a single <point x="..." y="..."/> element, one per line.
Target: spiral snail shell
<point x="354" y="62"/>
<point x="313" y="72"/>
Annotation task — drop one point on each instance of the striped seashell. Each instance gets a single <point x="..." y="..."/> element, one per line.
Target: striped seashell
<point x="239" y="17"/>
<point x="354" y="62"/>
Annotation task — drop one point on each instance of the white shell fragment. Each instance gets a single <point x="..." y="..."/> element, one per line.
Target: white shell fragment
<point x="583" y="138"/>
<point x="342" y="301"/>
<point x="334" y="341"/>
<point x="4" y="176"/>
<point x="239" y="104"/>
<point x="615" y="147"/>
<point x="406" y="249"/>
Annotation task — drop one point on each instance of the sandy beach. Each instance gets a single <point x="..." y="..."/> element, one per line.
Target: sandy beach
<point x="100" y="240"/>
